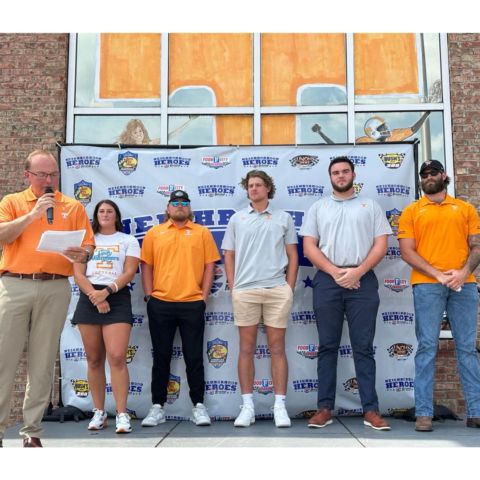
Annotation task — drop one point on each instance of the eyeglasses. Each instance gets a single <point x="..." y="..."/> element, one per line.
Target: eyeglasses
<point x="52" y="175"/>
<point x="431" y="173"/>
<point x="176" y="203"/>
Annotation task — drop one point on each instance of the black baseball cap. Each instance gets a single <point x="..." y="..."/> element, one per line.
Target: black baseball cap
<point x="432" y="165"/>
<point x="179" y="195"/>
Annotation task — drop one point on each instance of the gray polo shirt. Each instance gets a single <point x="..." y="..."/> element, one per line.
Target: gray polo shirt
<point x="345" y="229"/>
<point x="259" y="239"/>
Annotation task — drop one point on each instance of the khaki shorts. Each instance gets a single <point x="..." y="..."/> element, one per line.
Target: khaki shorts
<point x="271" y="304"/>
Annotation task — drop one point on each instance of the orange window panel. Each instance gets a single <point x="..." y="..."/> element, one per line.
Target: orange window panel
<point x="386" y="64"/>
<point x="234" y="130"/>
<point x="278" y="129"/>
<point x="221" y="61"/>
<point x="129" y="65"/>
<point x="290" y="60"/>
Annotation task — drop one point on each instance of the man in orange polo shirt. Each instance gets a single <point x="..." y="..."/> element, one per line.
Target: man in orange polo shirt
<point x="178" y="261"/>
<point x="34" y="287"/>
<point x="439" y="238"/>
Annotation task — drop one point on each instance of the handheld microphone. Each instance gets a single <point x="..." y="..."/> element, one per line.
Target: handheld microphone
<point x="49" y="209"/>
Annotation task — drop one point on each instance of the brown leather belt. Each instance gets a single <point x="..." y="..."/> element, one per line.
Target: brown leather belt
<point x="33" y="276"/>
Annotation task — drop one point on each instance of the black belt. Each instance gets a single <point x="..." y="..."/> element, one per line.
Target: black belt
<point x="34" y="276"/>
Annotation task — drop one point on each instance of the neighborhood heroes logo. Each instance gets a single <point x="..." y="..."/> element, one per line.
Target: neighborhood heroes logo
<point x="396" y="284"/>
<point x="82" y="191"/>
<point x="220" y="387"/>
<point x="309" y="351"/>
<point x="171" y="161"/>
<point x="390" y="190"/>
<point x="173" y="388"/>
<point x="351" y="385"/>
<point x="306" y="385"/>
<point x="357" y="160"/>
<point x="177" y="353"/>
<point x="74" y="354"/>
<point x="216" y="190"/>
<point x="131" y="351"/>
<point x="134" y="388"/>
<point x="392" y="160"/>
<point x="305" y="190"/>
<point x="263" y="387"/>
<point x="80" y="387"/>
<point x="83" y="162"/>
<point x="219" y="318"/>
<point x="393" y="253"/>
<point x="304" y="162"/>
<point x="306" y="317"/>
<point x="345" y="351"/>
<point x="216" y="162"/>
<point x="393" y="217"/>
<point x="262" y="351"/>
<point x="138" y="319"/>
<point x="399" y="384"/>
<point x="127" y="162"/>
<point x="398" y="318"/>
<point x="166" y="190"/>
<point x="260" y="161"/>
<point x="217" y="352"/>
<point x="401" y="351"/>
<point x="126" y="191"/>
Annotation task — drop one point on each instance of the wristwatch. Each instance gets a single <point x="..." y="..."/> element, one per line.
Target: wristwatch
<point x="146" y="298"/>
<point x="109" y="289"/>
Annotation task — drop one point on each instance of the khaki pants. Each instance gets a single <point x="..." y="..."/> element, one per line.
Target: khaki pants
<point x="31" y="311"/>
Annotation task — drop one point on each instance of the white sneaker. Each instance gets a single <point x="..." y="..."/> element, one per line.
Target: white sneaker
<point x="200" y="415"/>
<point x="246" y="417"/>
<point x="99" y="420"/>
<point x="123" y="423"/>
<point x="280" y="416"/>
<point x="155" y="416"/>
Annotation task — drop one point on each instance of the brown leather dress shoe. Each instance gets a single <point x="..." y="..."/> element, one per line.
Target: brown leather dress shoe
<point x="375" y="420"/>
<point x="423" y="424"/>
<point x="321" y="419"/>
<point x="32" y="442"/>
<point x="473" y="422"/>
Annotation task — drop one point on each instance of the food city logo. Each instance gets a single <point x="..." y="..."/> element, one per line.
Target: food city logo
<point x="215" y="162"/>
<point x="399" y="384"/>
<point x="400" y="351"/>
<point x="393" y="216"/>
<point x="219" y="318"/>
<point x="263" y="386"/>
<point x="260" y="162"/>
<point x="166" y="190"/>
<point x="398" y="318"/>
<point x="351" y="385"/>
<point x="217" y="352"/>
<point x="126" y="191"/>
<point x="80" y="387"/>
<point x="357" y="187"/>
<point x="171" y="161"/>
<point x="392" y="160"/>
<point x="220" y="387"/>
<point x="74" y="354"/>
<point x="306" y="385"/>
<point x="82" y="191"/>
<point x="305" y="190"/>
<point x="393" y="253"/>
<point x="396" y="284"/>
<point x="309" y="351"/>
<point x="177" y="352"/>
<point x="138" y="319"/>
<point x="83" y="162"/>
<point x="216" y="190"/>
<point x="391" y="190"/>
<point x="304" y="162"/>
<point x="306" y="317"/>
<point x="173" y="388"/>
<point x="262" y="351"/>
<point x="131" y="351"/>
<point x="127" y="162"/>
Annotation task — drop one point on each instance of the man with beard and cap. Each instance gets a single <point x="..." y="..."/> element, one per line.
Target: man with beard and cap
<point x="178" y="261"/>
<point x="439" y="238"/>
<point x="345" y="237"/>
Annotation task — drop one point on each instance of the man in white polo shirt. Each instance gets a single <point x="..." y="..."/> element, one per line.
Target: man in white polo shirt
<point x="261" y="264"/>
<point x="345" y="236"/>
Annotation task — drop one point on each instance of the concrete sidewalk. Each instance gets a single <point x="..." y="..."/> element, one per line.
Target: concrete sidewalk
<point x="345" y="432"/>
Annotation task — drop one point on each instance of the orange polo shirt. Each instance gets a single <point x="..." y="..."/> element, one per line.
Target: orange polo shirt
<point x="178" y="257"/>
<point x="441" y="233"/>
<point x="21" y="255"/>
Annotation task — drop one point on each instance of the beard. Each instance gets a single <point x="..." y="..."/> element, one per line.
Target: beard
<point x="180" y="215"/>
<point x="343" y="189"/>
<point x="433" y="187"/>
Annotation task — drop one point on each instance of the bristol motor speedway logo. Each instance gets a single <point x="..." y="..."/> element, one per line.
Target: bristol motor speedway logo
<point x="400" y="351"/>
<point x="309" y="351"/>
<point x="396" y="284"/>
<point x="392" y="160"/>
<point x="217" y="352"/>
<point x="304" y="162"/>
<point x="127" y="162"/>
<point x="351" y="385"/>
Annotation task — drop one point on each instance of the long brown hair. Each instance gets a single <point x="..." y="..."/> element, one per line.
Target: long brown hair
<point x="118" y="216"/>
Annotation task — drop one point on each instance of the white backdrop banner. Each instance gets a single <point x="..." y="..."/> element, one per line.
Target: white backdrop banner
<point x="140" y="180"/>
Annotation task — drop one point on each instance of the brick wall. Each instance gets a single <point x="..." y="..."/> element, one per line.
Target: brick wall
<point x="33" y="95"/>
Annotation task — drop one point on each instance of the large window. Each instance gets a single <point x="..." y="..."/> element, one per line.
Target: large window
<point x="278" y="88"/>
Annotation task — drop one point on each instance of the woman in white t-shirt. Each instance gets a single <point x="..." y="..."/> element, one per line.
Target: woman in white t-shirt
<point x="104" y="311"/>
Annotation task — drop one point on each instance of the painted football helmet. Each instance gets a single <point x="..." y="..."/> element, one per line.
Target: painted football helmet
<point x="377" y="129"/>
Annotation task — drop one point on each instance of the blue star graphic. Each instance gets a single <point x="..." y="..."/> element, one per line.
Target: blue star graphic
<point x="308" y="282"/>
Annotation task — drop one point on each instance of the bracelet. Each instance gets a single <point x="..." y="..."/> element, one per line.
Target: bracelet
<point x="109" y="289"/>
<point x="116" y="286"/>
<point x="146" y="298"/>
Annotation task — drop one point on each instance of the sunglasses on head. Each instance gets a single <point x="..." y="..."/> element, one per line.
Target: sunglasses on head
<point x="177" y="203"/>
<point x="431" y="173"/>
